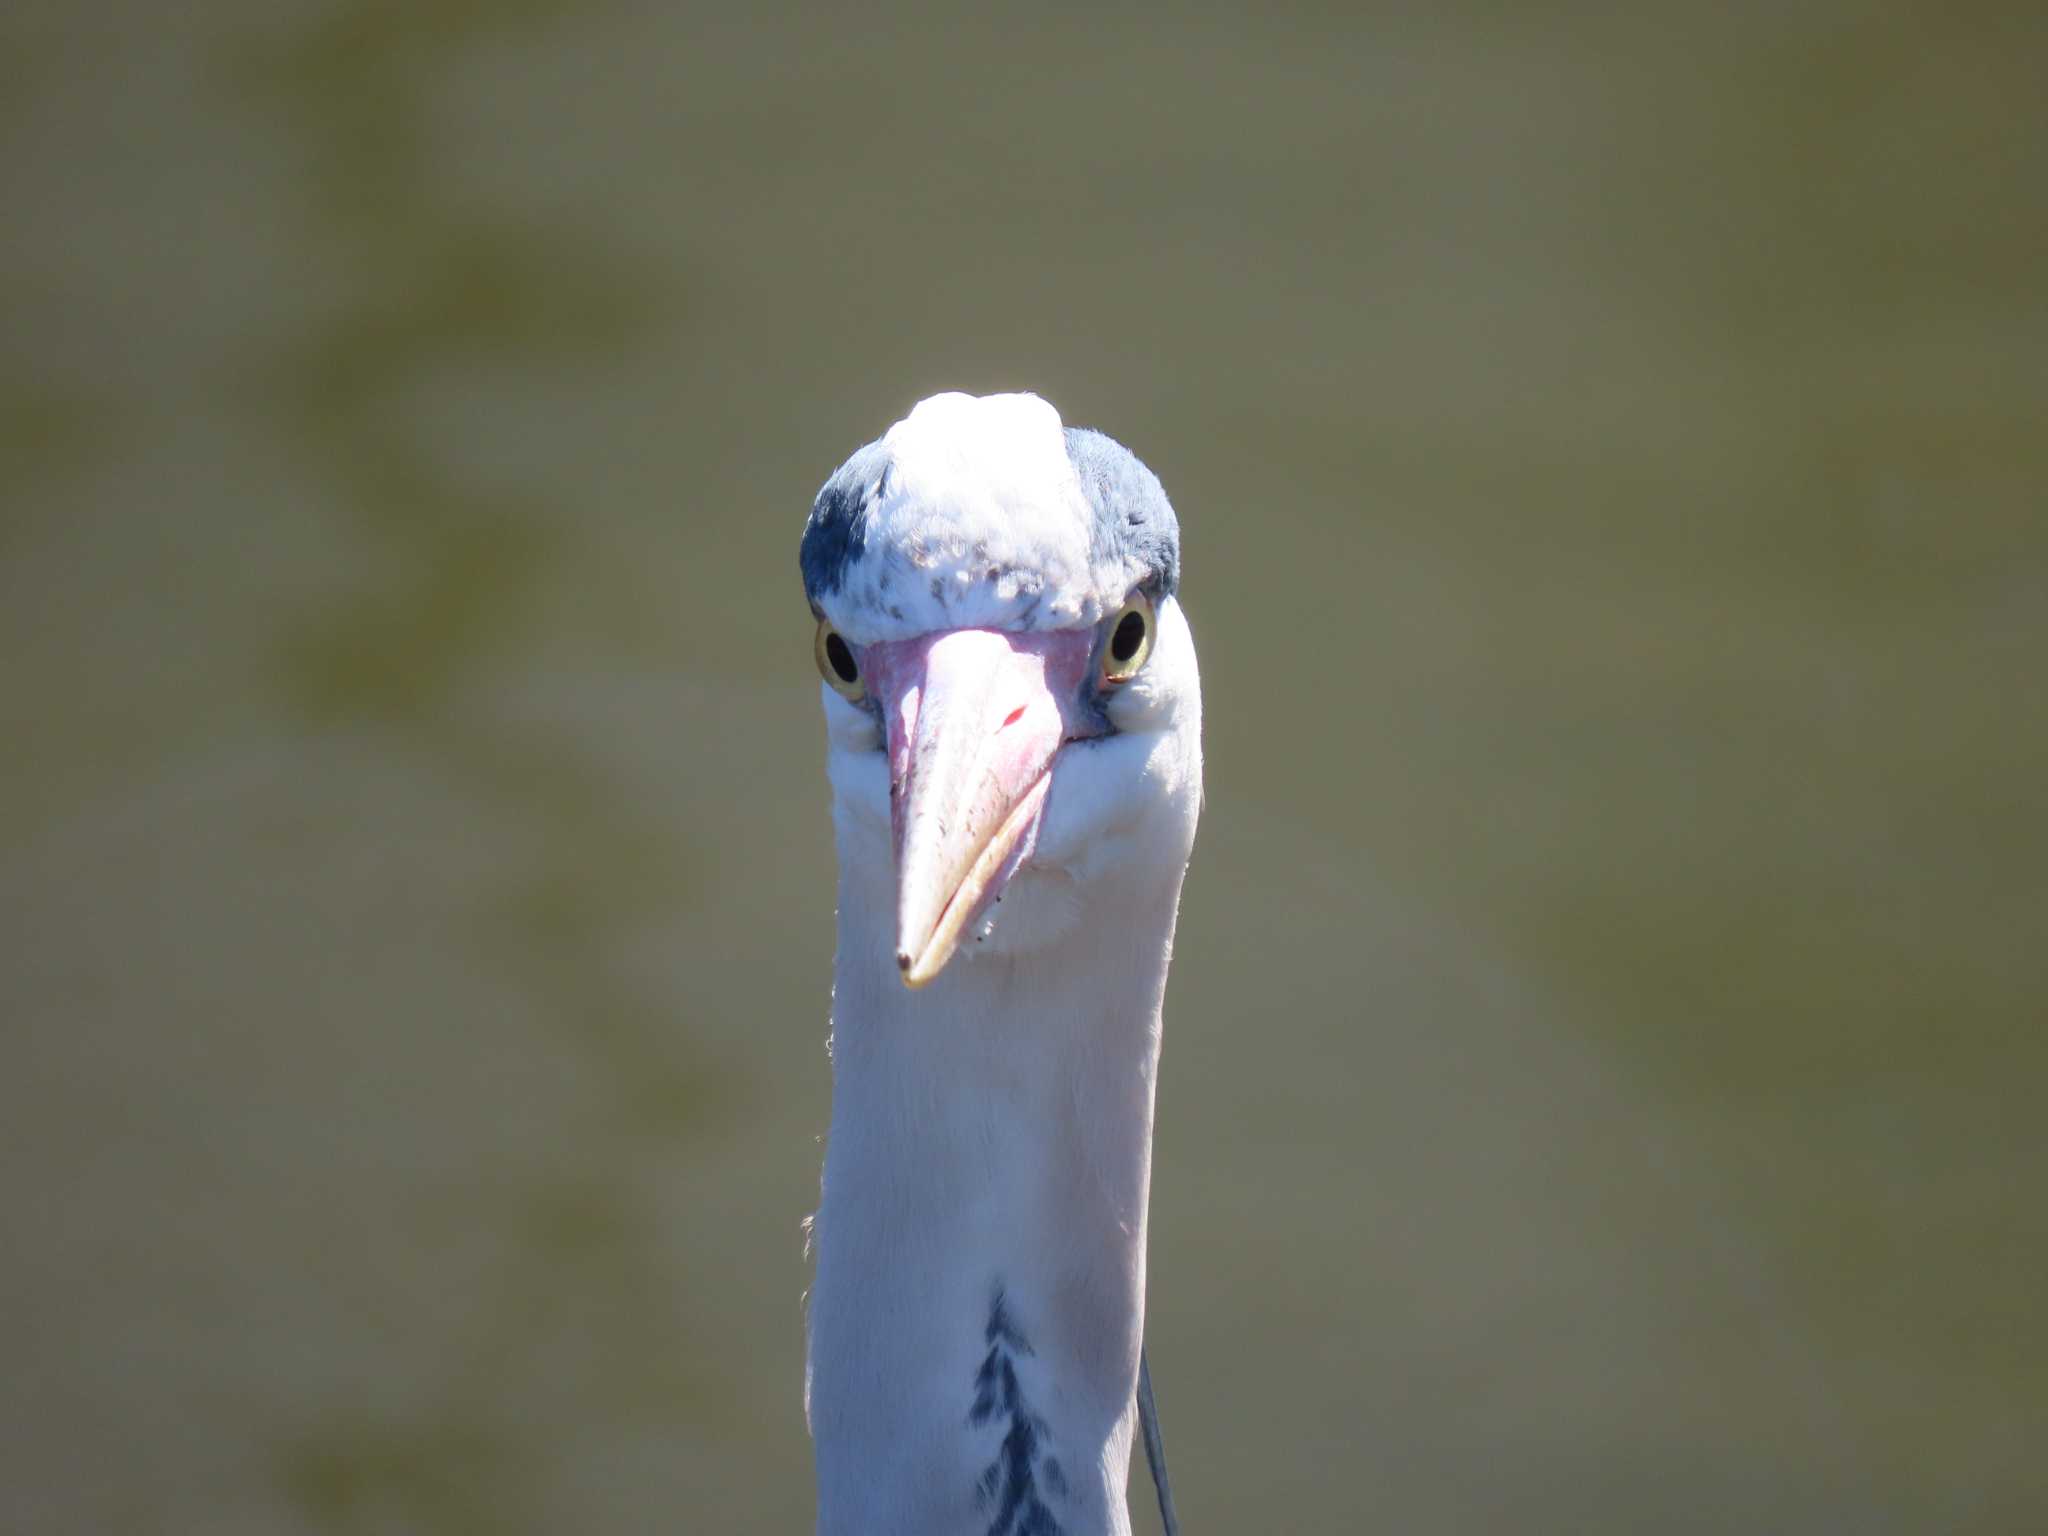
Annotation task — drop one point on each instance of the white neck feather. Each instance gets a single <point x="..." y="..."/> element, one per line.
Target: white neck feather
<point x="980" y="1292"/>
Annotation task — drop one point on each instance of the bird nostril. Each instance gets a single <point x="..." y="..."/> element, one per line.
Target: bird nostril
<point x="1012" y="718"/>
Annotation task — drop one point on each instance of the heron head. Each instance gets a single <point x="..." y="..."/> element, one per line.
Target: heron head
<point x="1010" y="688"/>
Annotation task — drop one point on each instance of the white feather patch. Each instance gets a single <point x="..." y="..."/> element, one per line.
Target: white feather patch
<point x="979" y="522"/>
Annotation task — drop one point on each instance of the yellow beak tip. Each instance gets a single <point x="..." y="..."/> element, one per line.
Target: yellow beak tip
<point x="919" y="971"/>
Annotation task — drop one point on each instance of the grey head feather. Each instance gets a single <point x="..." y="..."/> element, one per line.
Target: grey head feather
<point x="836" y="535"/>
<point x="1134" y="522"/>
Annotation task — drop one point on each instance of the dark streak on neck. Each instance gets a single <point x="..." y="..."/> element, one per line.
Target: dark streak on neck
<point x="1012" y="1482"/>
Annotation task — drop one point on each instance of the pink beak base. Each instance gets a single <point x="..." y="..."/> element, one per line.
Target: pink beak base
<point x="975" y="718"/>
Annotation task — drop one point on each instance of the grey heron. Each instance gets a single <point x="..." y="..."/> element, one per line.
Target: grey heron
<point x="1013" y="724"/>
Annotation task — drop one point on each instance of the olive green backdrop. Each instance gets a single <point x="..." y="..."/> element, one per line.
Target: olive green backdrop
<point x="1605" y="1057"/>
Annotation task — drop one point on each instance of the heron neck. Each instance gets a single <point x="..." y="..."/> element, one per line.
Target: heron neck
<point x="980" y="1290"/>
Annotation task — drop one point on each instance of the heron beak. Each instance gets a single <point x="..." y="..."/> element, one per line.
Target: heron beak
<point x="975" y="718"/>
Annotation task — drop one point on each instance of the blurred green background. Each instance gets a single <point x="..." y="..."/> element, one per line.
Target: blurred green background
<point x="1605" y="1055"/>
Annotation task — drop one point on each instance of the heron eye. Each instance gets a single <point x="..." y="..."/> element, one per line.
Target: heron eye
<point x="836" y="663"/>
<point x="1130" y="640"/>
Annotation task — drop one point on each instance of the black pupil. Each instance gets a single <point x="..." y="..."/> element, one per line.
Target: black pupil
<point x="841" y="658"/>
<point x="1130" y="634"/>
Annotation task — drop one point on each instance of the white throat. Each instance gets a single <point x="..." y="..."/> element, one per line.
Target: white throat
<point x="979" y="1299"/>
